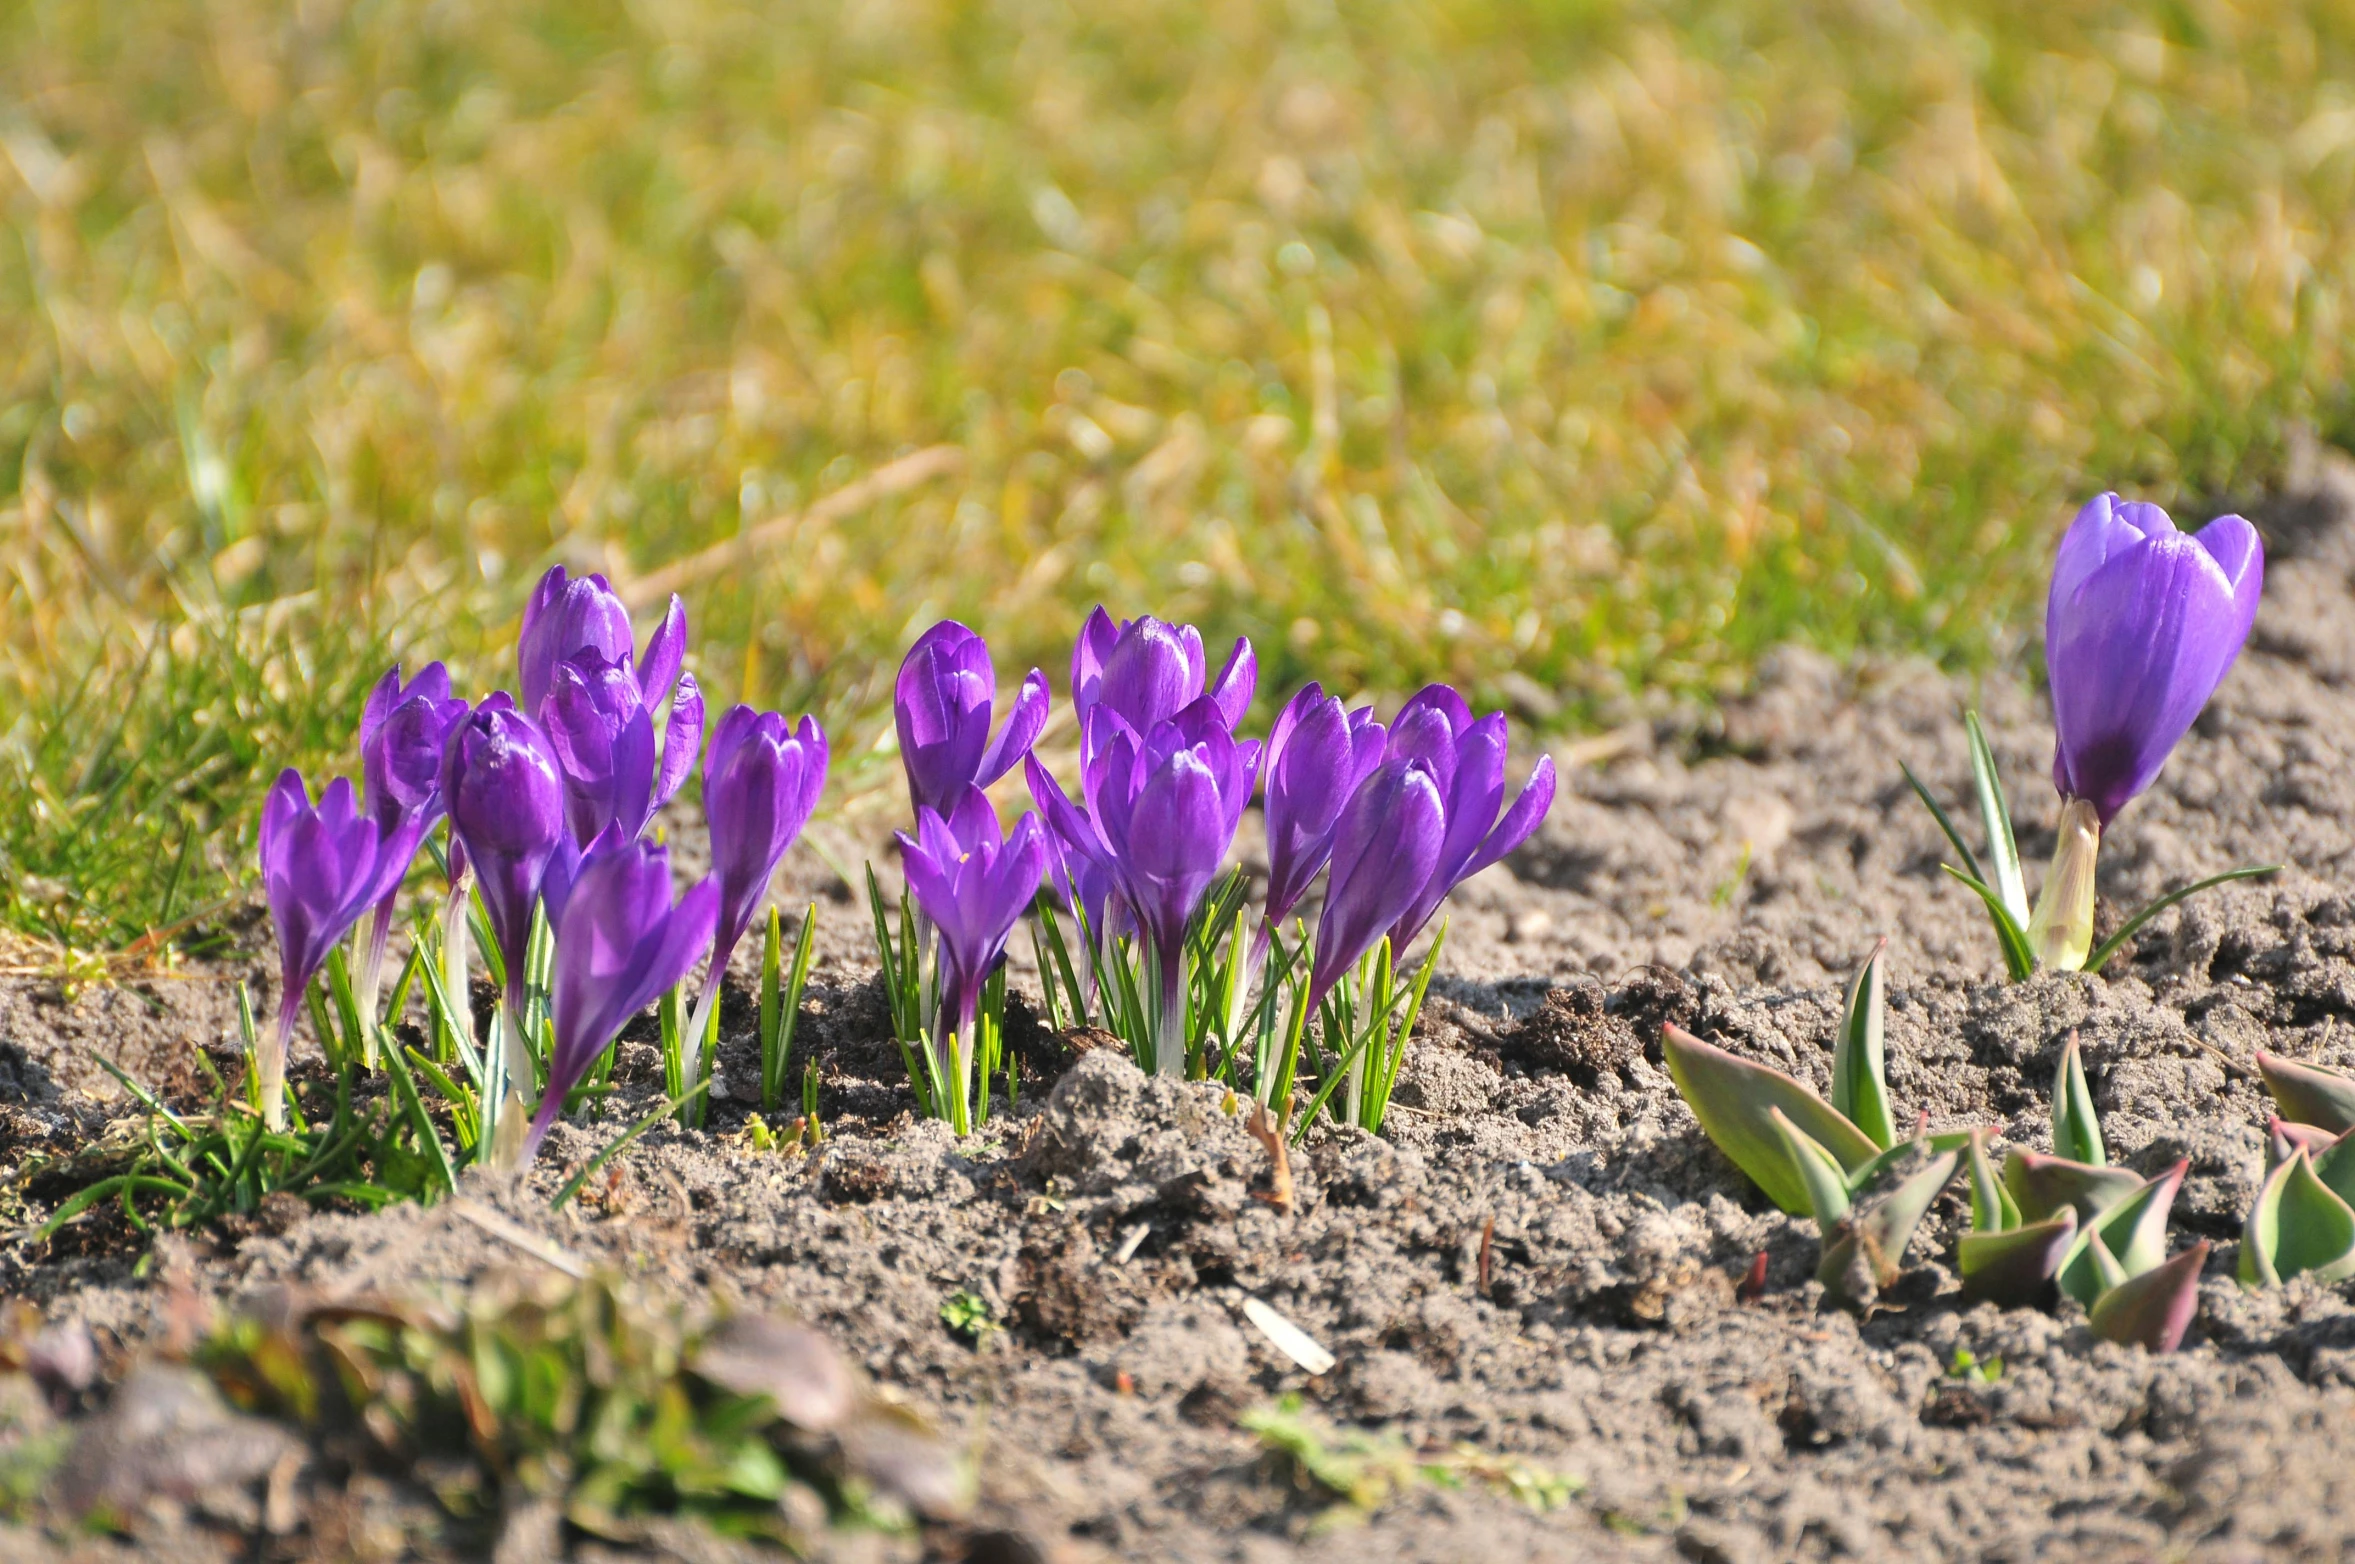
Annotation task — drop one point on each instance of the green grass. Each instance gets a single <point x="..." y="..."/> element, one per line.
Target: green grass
<point x="1593" y="345"/>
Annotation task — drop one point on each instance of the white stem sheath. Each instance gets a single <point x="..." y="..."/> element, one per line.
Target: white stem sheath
<point x="2061" y="932"/>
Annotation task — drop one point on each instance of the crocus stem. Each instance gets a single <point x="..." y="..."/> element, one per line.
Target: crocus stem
<point x="1169" y="1040"/>
<point x="2061" y="932"/>
<point x="510" y="1076"/>
<point x="699" y="1023"/>
<point x="371" y="980"/>
<point x="456" y="942"/>
<point x="271" y="1066"/>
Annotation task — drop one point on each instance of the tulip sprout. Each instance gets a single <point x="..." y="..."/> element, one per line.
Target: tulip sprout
<point x="2303" y="1221"/>
<point x="1824" y="1159"/>
<point x="2070" y="1220"/>
<point x="2142" y="623"/>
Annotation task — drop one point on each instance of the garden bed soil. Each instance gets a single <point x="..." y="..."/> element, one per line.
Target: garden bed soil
<point x="1541" y="1259"/>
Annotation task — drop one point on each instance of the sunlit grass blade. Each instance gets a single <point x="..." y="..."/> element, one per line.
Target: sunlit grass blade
<point x="1996" y="817"/>
<point x="621" y="1142"/>
<point x="2127" y="930"/>
<point x="2019" y="959"/>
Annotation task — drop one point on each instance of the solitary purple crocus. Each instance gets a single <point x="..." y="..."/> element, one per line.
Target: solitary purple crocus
<point x="1145" y="671"/>
<point x="1161" y="812"/>
<point x="759" y="787"/>
<point x="505" y="794"/>
<point x="1317" y="755"/>
<point x="322" y="869"/>
<point x="602" y="732"/>
<point x="403" y="729"/>
<point x="1386" y="849"/>
<point x="568" y="615"/>
<point x="973" y="884"/>
<point x="2142" y="625"/>
<point x="1466" y="758"/>
<point x="943" y="703"/>
<point x="621" y="945"/>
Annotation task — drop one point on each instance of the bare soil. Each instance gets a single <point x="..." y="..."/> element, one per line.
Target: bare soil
<point x="1541" y="1257"/>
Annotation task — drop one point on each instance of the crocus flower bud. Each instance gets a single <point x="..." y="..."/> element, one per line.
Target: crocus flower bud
<point x="1162" y="808"/>
<point x="603" y="735"/>
<point x="321" y="869"/>
<point x="2142" y="624"/>
<point x="1386" y="848"/>
<point x="569" y="615"/>
<point x="759" y="787"/>
<point x="973" y="885"/>
<point x="505" y="793"/>
<point x="943" y="704"/>
<point x="1466" y="758"/>
<point x="403" y="729"/>
<point x="621" y="945"/>
<point x="1145" y="671"/>
<point x="1317" y="755"/>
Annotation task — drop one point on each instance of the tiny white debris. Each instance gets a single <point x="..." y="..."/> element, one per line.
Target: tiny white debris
<point x="1289" y="1339"/>
<point x="1129" y="1242"/>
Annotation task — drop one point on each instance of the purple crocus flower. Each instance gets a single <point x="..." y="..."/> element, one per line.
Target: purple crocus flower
<point x="1386" y="850"/>
<point x="602" y="731"/>
<point x="1316" y="757"/>
<point x="569" y="615"/>
<point x="1145" y="671"/>
<point x="2142" y="625"/>
<point x="322" y="869"/>
<point x="403" y="729"/>
<point x="1466" y="758"/>
<point x="1161" y="812"/>
<point x="759" y="787"/>
<point x="621" y="945"/>
<point x="973" y="884"/>
<point x="943" y="704"/>
<point x="505" y="793"/>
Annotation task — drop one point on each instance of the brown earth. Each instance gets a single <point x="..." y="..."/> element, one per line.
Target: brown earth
<point x="1539" y="1260"/>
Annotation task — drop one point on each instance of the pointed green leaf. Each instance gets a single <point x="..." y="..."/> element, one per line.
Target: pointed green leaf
<point x="1864" y="1178"/>
<point x="1992" y="1208"/>
<point x="2308" y="1093"/>
<point x="1860" y="1087"/>
<point x="2282" y="1138"/>
<point x="2019" y="957"/>
<point x="1817" y="1170"/>
<point x="2014" y="1267"/>
<point x="1953" y="837"/>
<point x="2003" y="853"/>
<point x="2153" y="1310"/>
<point x="2131" y="1234"/>
<point x="2296" y="1226"/>
<point x="2334" y="1160"/>
<point x="2041" y="1185"/>
<point x="2127" y="930"/>
<point x="2076" y="1131"/>
<point x="1731" y="1097"/>
<point x="1879" y="1233"/>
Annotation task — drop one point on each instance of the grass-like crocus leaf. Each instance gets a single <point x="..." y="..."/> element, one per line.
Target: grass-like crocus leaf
<point x="1876" y="1235"/>
<point x="1992" y="1208"/>
<point x="2297" y="1225"/>
<point x="1995" y="815"/>
<point x="2041" y="1185"/>
<point x="2153" y="1310"/>
<point x="1938" y="813"/>
<point x="1860" y="1087"/>
<point x="2076" y="1131"/>
<point x="2133" y="1233"/>
<point x="2019" y="957"/>
<point x="1818" y="1171"/>
<point x="1733" y="1097"/>
<point x="2308" y="1093"/>
<point x="2126" y="931"/>
<point x="2015" y="1267"/>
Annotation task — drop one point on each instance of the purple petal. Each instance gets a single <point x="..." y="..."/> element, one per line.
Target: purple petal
<point x="666" y="653"/>
<point x="682" y="740"/>
<point x="1236" y="682"/>
<point x="1521" y="821"/>
<point x="1023" y="724"/>
<point x="1384" y="853"/>
<point x="1089" y="653"/>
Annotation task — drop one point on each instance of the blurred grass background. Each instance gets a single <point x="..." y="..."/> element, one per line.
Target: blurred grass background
<point x="1573" y="350"/>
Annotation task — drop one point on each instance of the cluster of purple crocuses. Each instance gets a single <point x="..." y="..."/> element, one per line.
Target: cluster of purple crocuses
<point x="548" y="802"/>
<point x="1402" y="814"/>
